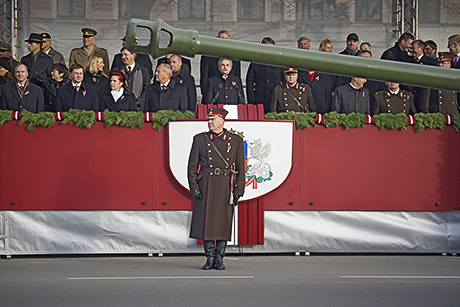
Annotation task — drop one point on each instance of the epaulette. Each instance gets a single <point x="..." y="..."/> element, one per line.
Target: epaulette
<point x="380" y="92"/>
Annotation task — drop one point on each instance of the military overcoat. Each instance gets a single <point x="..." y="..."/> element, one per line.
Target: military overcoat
<point x="79" y="55"/>
<point x="386" y="102"/>
<point x="282" y="101"/>
<point x="212" y="215"/>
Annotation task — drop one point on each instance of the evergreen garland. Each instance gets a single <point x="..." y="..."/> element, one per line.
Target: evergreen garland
<point x="131" y="119"/>
<point x="390" y="121"/>
<point x="456" y="123"/>
<point x="162" y="117"/>
<point x="33" y="120"/>
<point x="5" y="116"/>
<point x="124" y="119"/>
<point x="333" y="119"/>
<point x="430" y="120"/>
<point x="302" y="120"/>
<point x="80" y="118"/>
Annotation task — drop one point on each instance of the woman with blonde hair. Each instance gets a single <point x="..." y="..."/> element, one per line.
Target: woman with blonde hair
<point x="326" y="45"/>
<point x="95" y="75"/>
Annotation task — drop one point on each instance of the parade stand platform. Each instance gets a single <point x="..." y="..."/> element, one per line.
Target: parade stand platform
<point x="69" y="190"/>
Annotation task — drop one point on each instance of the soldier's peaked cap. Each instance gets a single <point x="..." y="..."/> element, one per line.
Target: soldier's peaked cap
<point x="217" y="112"/>
<point x="290" y="70"/>
<point x="445" y="56"/>
<point x="88" y="32"/>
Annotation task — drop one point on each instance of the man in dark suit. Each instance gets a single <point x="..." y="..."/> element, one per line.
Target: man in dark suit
<point x="181" y="76"/>
<point x="165" y="94"/>
<point x="141" y="58"/>
<point x="261" y="81"/>
<point x="225" y="88"/>
<point x="77" y="94"/>
<point x="137" y="76"/>
<point x="209" y="66"/>
<point x="38" y="63"/>
<point x="399" y="52"/>
<point x="421" y="94"/>
<point x="186" y="64"/>
<point x="454" y="48"/>
<point x="419" y="56"/>
<point x="21" y="93"/>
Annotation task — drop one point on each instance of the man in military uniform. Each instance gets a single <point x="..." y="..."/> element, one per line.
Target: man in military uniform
<point x="394" y="100"/>
<point x="50" y="51"/>
<point x="5" y="52"/>
<point x="216" y="175"/>
<point x="444" y="101"/>
<point x="292" y="96"/>
<point x="83" y="54"/>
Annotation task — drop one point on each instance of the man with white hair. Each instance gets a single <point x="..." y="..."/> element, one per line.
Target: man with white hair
<point x="165" y="94"/>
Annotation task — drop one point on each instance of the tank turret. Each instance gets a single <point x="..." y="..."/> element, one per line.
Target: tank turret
<point x="165" y="39"/>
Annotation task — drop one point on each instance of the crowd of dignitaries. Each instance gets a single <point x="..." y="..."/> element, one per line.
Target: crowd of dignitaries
<point x="41" y="81"/>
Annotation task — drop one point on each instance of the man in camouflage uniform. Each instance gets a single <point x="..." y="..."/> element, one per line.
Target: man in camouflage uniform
<point x="216" y="175"/>
<point x="292" y="96"/>
<point x="84" y="53"/>
<point x="394" y="100"/>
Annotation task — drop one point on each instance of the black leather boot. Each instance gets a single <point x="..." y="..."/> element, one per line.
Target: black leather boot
<point x="210" y="253"/>
<point x="220" y="253"/>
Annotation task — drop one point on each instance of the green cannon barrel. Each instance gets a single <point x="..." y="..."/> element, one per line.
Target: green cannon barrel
<point x="189" y="43"/>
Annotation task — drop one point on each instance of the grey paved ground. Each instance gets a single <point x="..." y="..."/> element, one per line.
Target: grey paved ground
<point x="248" y="281"/>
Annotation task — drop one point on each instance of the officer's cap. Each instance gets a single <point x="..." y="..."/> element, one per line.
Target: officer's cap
<point x="217" y="112"/>
<point x="88" y="32"/>
<point x="4" y="46"/>
<point x="46" y="35"/>
<point x="445" y="56"/>
<point x="291" y="70"/>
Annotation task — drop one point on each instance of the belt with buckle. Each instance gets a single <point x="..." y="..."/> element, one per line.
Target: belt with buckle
<point x="215" y="170"/>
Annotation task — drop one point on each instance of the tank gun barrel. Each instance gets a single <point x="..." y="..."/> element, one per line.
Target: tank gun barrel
<point x="190" y="43"/>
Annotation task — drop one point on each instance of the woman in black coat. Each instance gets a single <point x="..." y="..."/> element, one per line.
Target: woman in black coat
<point x="119" y="98"/>
<point x="95" y="75"/>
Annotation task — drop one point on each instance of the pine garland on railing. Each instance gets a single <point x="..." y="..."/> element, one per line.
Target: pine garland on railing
<point x="161" y="118"/>
<point x="302" y="120"/>
<point x="430" y="121"/>
<point x="123" y="119"/>
<point x="45" y="119"/>
<point x="390" y="121"/>
<point x="86" y="119"/>
<point x="80" y="118"/>
<point x="5" y="116"/>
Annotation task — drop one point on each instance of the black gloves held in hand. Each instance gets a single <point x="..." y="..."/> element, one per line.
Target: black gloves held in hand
<point x="197" y="195"/>
<point x="235" y="199"/>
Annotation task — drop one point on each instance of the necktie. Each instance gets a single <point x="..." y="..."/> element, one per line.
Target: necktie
<point x="129" y="70"/>
<point x="163" y="87"/>
<point x="455" y="60"/>
<point x="76" y="88"/>
<point x="21" y="87"/>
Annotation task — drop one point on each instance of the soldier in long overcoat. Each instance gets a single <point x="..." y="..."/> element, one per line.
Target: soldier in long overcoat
<point x="216" y="182"/>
